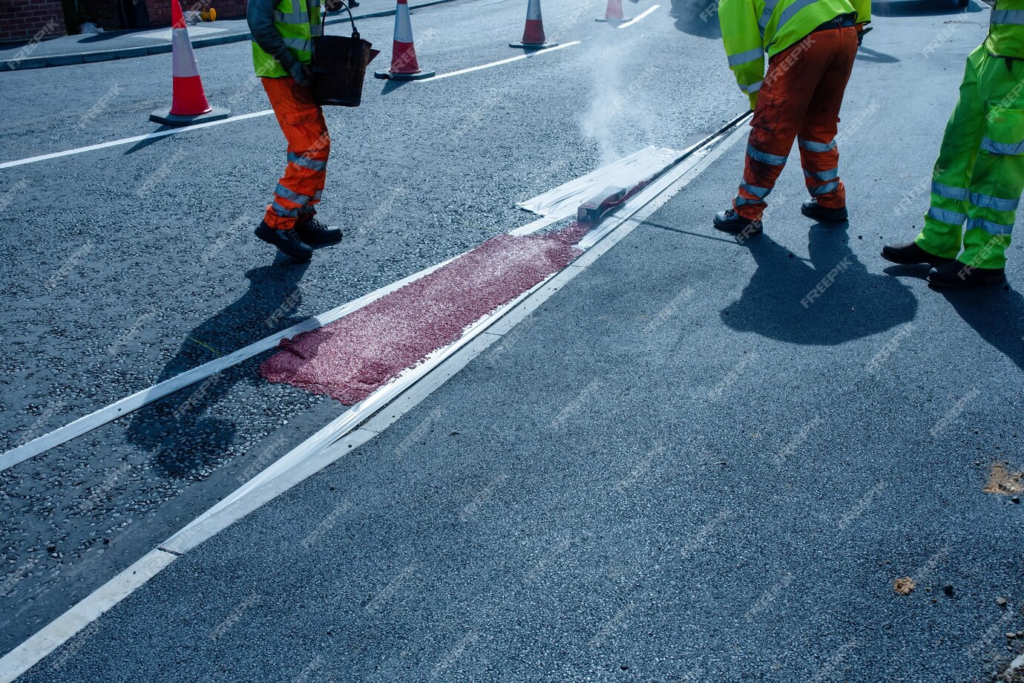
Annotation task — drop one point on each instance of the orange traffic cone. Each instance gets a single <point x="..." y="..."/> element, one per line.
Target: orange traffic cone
<point x="188" y="101"/>
<point x="533" y="36"/>
<point x="613" y="12"/>
<point x="404" y="66"/>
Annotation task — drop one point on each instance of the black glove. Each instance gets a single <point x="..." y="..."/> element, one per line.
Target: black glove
<point x="301" y="73"/>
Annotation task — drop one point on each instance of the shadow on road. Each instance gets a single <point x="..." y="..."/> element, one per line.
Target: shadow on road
<point x="920" y="8"/>
<point x="997" y="315"/>
<point x="831" y="300"/>
<point x="866" y="54"/>
<point x="188" y="431"/>
<point x="696" y="17"/>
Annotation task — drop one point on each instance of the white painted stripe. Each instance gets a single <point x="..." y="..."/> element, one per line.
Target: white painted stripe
<point x="638" y="17"/>
<point x="142" y="398"/>
<point x="59" y="631"/>
<point x="131" y="403"/>
<point x="529" y="55"/>
<point x="128" y="141"/>
<point x="341" y="435"/>
<point x="565" y="199"/>
<point x="243" y="117"/>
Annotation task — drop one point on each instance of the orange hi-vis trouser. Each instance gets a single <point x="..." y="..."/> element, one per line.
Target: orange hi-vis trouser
<point x="800" y="97"/>
<point x="309" y="145"/>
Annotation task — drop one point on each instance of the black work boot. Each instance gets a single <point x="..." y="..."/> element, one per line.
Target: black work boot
<point x="313" y="231"/>
<point x="955" y="275"/>
<point x="909" y="254"/>
<point x="288" y="241"/>
<point x="815" y="211"/>
<point x="731" y="221"/>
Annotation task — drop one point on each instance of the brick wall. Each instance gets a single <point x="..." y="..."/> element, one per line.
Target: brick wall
<point x="160" y="10"/>
<point x="22" y="20"/>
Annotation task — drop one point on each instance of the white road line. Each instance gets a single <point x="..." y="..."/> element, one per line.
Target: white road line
<point x="59" y="631"/>
<point x="243" y="117"/>
<point x="638" y="17"/>
<point x="528" y="55"/>
<point x="128" y="141"/>
<point x="382" y="408"/>
<point x="142" y="398"/>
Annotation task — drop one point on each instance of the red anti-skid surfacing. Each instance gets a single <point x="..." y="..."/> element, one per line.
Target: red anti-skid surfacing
<point x="351" y="358"/>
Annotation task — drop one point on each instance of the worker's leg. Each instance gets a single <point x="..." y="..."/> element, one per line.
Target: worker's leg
<point x="785" y="94"/>
<point x="998" y="178"/>
<point x="309" y="146"/>
<point x="941" y="235"/>
<point x="819" y="154"/>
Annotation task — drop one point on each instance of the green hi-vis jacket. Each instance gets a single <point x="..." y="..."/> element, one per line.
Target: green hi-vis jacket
<point x="1006" y="33"/>
<point x="282" y="34"/>
<point x="753" y="28"/>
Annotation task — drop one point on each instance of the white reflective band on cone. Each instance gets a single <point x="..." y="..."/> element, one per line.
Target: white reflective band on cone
<point x="184" y="59"/>
<point x="403" y="25"/>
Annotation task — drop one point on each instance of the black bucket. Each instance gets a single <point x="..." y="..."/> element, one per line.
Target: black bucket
<point x="339" y="66"/>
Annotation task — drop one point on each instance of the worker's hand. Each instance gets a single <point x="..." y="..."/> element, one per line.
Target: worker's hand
<point x="333" y="5"/>
<point x="301" y="73"/>
<point x="861" y="30"/>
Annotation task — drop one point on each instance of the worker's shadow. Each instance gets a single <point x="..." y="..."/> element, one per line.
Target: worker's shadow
<point x="832" y="300"/>
<point x="996" y="314"/>
<point x="189" y="431"/>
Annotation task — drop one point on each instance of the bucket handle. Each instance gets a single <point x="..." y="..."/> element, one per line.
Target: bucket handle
<point x="323" y="21"/>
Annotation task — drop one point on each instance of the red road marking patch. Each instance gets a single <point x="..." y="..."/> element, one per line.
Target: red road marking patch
<point x="351" y="358"/>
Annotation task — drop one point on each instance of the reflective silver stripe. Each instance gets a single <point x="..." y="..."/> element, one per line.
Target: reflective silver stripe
<point x="823" y="176"/>
<point x="989" y="227"/>
<point x="951" y="217"/>
<point x="753" y="87"/>
<point x="766" y="15"/>
<point x="283" y="212"/>
<point x="812" y="146"/>
<point x="744" y="57"/>
<point x="983" y="201"/>
<point x="760" y="192"/>
<point x="293" y="18"/>
<point x="319" y="193"/>
<point x="788" y="13"/>
<point x="284" y="193"/>
<point x="1011" y="17"/>
<point x="300" y="44"/>
<point x="184" y="59"/>
<point x="743" y="201"/>
<point x="306" y="162"/>
<point x="825" y="189"/>
<point x="949" y="192"/>
<point x="764" y="157"/>
<point x="1007" y="149"/>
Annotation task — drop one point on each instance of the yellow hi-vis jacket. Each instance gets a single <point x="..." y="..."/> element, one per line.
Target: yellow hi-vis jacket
<point x="753" y="28"/>
<point x="1006" y="32"/>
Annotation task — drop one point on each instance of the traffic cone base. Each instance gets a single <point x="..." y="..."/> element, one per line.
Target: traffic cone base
<point x="534" y="46"/>
<point x="165" y="117"/>
<point x="392" y="76"/>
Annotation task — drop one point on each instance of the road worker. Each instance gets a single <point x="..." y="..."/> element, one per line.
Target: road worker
<point x="811" y="46"/>
<point x="979" y="175"/>
<point x="282" y="50"/>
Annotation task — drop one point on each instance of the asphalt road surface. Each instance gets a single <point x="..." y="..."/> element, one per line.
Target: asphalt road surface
<point x="674" y="470"/>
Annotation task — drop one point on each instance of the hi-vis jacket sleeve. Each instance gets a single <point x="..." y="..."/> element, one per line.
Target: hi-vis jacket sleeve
<point x="863" y="8"/>
<point x="742" y="39"/>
